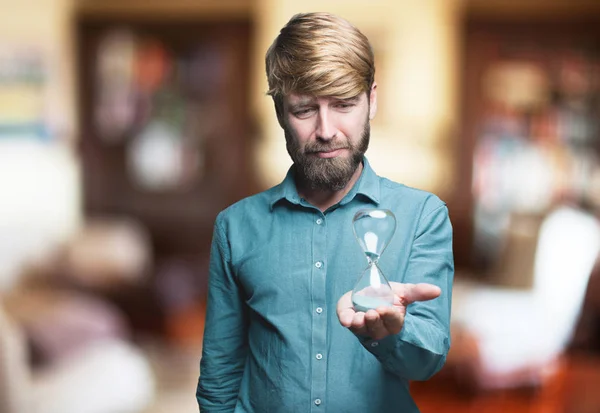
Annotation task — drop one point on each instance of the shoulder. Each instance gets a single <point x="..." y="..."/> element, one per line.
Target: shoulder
<point x="247" y="208"/>
<point x="239" y="227"/>
<point x="408" y="197"/>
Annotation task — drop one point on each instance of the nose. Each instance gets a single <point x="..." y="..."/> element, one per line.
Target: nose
<point x="325" y="128"/>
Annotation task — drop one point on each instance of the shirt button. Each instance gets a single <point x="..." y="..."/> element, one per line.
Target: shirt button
<point x="317" y="401"/>
<point x="375" y="344"/>
<point x="319" y="356"/>
<point x="319" y="221"/>
<point x="319" y="310"/>
<point x="318" y="264"/>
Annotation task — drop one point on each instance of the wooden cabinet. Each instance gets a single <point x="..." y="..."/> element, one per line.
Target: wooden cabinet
<point x="531" y="129"/>
<point x="166" y="136"/>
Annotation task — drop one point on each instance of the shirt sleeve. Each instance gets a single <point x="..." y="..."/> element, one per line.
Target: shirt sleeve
<point x="420" y="349"/>
<point x="224" y="348"/>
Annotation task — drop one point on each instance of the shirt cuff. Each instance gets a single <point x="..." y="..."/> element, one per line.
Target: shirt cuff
<point x="379" y="348"/>
<point x="386" y="346"/>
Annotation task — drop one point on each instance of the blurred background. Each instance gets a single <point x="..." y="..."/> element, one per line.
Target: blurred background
<point x="127" y="125"/>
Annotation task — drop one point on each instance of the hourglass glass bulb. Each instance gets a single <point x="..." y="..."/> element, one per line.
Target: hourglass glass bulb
<point x="374" y="229"/>
<point x="372" y="290"/>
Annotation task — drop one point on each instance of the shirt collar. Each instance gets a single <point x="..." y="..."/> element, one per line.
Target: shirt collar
<point x="367" y="186"/>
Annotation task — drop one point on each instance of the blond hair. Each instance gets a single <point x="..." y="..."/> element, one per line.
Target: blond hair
<point x="321" y="55"/>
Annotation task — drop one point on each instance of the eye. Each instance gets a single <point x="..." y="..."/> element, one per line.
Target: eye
<point x="344" y="105"/>
<point x="303" y="113"/>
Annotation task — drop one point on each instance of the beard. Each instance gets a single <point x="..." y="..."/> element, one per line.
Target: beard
<point x="331" y="174"/>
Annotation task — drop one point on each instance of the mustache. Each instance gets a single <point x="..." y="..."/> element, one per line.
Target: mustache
<point x="319" y="147"/>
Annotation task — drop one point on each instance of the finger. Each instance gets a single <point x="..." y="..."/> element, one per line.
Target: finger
<point x="409" y="293"/>
<point x="358" y="321"/>
<point x="345" y="302"/>
<point x="422" y="292"/>
<point x="392" y="319"/>
<point x="374" y="325"/>
<point x="346" y="316"/>
<point x="345" y="310"/>
<point x="358" y="324"/>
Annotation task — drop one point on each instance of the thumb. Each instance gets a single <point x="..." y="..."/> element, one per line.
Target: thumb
<point x="418" y="292"/>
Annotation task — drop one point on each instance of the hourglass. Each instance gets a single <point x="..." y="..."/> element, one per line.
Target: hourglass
<point x="374" y="229"/>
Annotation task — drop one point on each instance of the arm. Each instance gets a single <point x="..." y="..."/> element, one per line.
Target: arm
<point x="224" y="346"/>
<point x="413" y="337"/>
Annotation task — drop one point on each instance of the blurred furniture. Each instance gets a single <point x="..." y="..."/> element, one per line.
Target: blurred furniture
<point x="587" y="335"/>
<point x="529" y="124"/>
<point x="515" y="337"/>
<point x="108" y="258"/>
<point x="64" y="345"/>
<point x="107" y="253"/>
<point x="104" y="376"/>
<point x="14" y="373"/>
<point x="515" y="266"/>
<point x="583" y="373"/>
<point x="166" y="139"/>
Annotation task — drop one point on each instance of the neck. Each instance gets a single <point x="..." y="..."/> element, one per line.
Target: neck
<point x="323" y="198"/>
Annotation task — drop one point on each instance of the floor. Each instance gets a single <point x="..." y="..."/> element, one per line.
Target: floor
<point x="176" y="369"/>
<point x="433" y="398"/>
<point x="575" y="390"/>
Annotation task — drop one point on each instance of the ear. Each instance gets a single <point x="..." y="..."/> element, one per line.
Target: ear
<point x="373" y="101"/>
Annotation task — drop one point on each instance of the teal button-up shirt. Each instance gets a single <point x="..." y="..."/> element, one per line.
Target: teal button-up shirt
<point x="272" y="340"/>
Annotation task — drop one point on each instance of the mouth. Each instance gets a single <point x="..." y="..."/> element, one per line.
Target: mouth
<point x="328" y="153"/>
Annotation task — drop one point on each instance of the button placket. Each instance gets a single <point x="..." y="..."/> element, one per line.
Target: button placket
<point x="319" y="332"/>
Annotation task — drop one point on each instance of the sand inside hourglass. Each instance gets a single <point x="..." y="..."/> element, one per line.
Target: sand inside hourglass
<point x="373" y="229"/>
<point x="372" y="298"/>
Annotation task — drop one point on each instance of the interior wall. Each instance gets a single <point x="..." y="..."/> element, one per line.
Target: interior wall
<point x="39" y="180"/>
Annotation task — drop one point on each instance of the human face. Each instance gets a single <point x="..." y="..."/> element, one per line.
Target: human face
<point x="327" y="137"/>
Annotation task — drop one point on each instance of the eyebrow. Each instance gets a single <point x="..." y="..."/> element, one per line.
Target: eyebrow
<point x="302" y="103"/>
<point x="311" y="101"/>
<point x="349" y="100"/>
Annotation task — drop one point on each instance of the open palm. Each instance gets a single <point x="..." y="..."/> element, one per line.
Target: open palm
<point x="384" y="321"/>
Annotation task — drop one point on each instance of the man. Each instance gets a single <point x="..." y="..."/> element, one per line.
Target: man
<point x="281" y="334"/>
